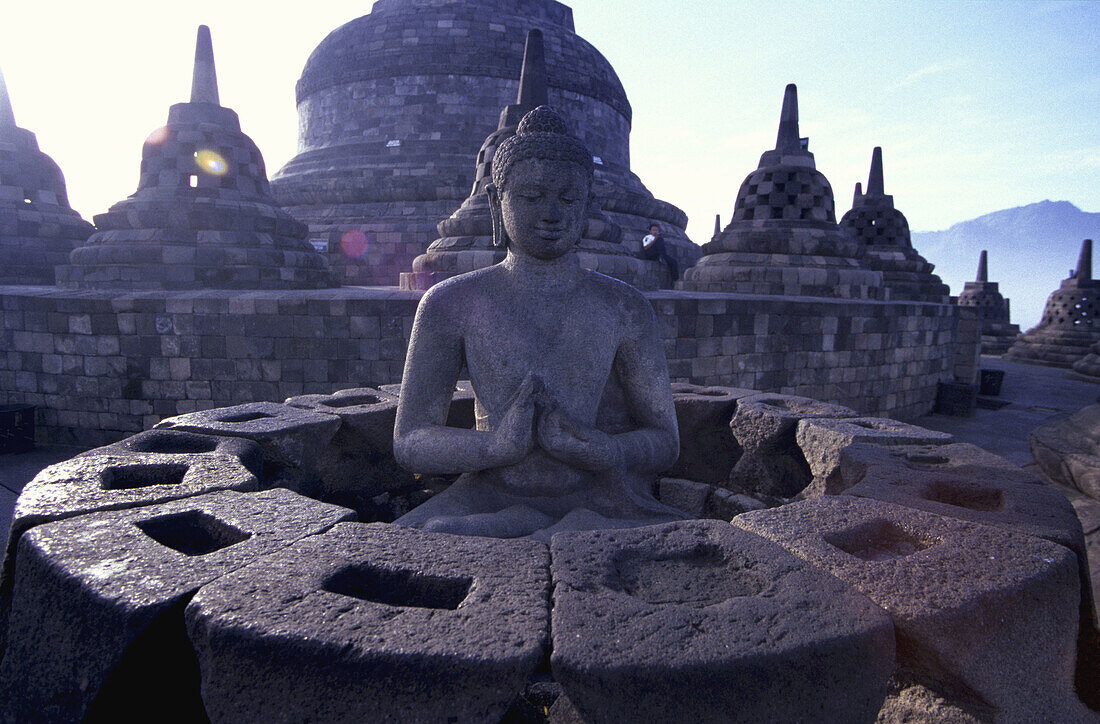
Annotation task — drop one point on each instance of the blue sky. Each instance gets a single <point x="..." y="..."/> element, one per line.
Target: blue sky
<point x="978" y="105"/>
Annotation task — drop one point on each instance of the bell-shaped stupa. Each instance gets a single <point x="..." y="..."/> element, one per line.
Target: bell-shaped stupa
<point x="38" y="228"/>
<point x="393" y="106"/>
<point x="884" y="232"/>
<point x="1070" y="324"/>
<point x="998" y="332"/>
<point x="783" y="238"/>
<point x="466" y="237"/>
<point x="202" y="216"/>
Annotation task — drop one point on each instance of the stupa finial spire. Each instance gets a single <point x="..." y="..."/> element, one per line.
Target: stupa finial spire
<point x="204" y="81"/>
<point x="7" y="117"/>
<point x="788" y="140"/>
<point x="874" y="181"/>
<point x="858" y="194"/>
<point x="717" y="224"/>
<point x="1084" y="262"/>
<point x="983" y="267"/>
<point x="532" y="79"/>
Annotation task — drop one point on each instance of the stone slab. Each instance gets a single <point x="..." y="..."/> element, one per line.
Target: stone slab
<point x="178" y="442"/>
<point x="700" y="621"/>
<point x="96" y="626"/>
<point x="992" y="613"/>
<point x="708" y="449"/>
<point x="822" y="440"/>
<point x="374" y="622"/>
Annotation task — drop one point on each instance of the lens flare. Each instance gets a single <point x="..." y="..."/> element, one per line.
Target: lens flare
<point x="157" y="137"/>
<point x="211" y="162"/>
<point x="354" y="243"/>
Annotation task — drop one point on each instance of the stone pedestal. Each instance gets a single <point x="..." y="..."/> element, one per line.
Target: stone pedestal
<point x="783" y="238"/>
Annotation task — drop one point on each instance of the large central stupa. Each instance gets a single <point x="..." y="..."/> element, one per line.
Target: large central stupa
<point x="393" y="106"/>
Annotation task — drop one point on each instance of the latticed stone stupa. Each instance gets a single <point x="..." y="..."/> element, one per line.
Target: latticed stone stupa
<point x="783" y="238"/>
<point x="38" y="228"/>
<point x="884" y="232"/>
<point x="394" y="105"/>
<point x="998" y="332"/>
<point x="202" y="216"/>
<point x="1069" y="326"/>
<point x="466" y="241"/>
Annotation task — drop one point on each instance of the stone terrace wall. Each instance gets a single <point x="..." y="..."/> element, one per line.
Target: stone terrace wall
<point x="101" y="365"/>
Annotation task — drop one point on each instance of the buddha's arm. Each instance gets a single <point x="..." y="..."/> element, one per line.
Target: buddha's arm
<point x="643" y="373"/>
<point x="422" y="443"/>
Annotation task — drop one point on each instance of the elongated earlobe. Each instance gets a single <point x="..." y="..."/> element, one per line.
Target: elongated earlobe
<point x="500" y="236"/>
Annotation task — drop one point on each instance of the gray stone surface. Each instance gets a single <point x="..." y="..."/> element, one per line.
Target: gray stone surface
<point x="950" y="480"/>
<point x="110" y="482"/>
<point x="357" y="466"/>
<point x="178" y="442"/>
<point x="1068" y="328"/>
<point x="373" y="622"/>
<point x="38" y="228"/>
<point x="1068" y="450"/>
<point x="461" y="413"/>
<point x="389" y="127"/>
<point x="708" y="449"/>
<point x="999" y="632"/>
<point x="96" y="625"/>
<point x="202" y="216"/>
<point x="822" y="440"/>
<point x="574" y="407"/>
<point x="783" y="238"/>
<point x="998" y="332"/>
<point x="884" y="233"/>
<point x="765" y="426"/>
<point x="699" y="622"/>
<point x="291" y="438"/>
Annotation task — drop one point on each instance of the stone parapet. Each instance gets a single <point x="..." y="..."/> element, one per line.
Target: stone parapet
<point x="102" y="365"/>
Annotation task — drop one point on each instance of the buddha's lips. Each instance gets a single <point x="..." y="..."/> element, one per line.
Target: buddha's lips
<point x="550" y="234"/>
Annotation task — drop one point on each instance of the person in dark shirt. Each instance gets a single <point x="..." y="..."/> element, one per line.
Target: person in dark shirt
<point x="653" y="248"/>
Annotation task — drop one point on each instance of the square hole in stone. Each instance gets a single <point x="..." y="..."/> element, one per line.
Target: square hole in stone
<point x="174" y="443"/>
<point x="245" y="417"/>
<point x="193" y="533"/>
<point x="965" y="495"/>
<point x="877" y="540"/>
<point x="409" y="589"/>
<point x="351" y="401"/>
<point x="129" y="477"/>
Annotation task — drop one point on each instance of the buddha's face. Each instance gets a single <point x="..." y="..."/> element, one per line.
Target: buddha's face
<point x="544" y="205"/>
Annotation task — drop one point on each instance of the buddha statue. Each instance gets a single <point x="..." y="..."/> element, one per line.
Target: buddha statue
<point x="573" y="402"/>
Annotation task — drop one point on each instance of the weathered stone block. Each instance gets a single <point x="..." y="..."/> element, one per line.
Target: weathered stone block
<point x="178" y="442"/>
<point x="96" y="627"/>
<point x="374" y="622"/>
<point x="764" y="426"/>
<point x="708" y="450"/>
<point x="988" y="614"/>
<point x="461" y="412"/>
<point x="699" y="621"/>
<point x="822" y="441"/>
<point x="291" y="438"/>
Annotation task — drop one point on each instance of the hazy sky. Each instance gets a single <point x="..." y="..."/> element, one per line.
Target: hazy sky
<point x="979" y="106"/>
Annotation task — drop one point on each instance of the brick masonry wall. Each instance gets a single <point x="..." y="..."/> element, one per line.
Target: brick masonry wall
<point x="101" y="366"/>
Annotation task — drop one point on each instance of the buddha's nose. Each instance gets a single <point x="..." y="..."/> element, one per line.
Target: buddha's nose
<point x="552" y="212"/>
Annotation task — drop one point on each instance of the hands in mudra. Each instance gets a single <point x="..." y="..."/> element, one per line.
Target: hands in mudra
<point x="534" y="418"/>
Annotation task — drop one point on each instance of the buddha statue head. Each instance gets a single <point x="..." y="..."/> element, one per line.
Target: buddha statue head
<point x="541" y="189"/>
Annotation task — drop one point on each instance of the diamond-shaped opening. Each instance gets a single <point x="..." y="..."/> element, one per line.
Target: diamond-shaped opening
<point x="129" y="477"/>
<point x="407" y="589"/>
<point x="878" y="540"/>
<point x="192" y="533"/>
<point x="965" y="495"/>
<point x="351" y="401"/>
<point x="700" y="577"/>
<point x="174" y="443"/>
<point x="245" y="417"/>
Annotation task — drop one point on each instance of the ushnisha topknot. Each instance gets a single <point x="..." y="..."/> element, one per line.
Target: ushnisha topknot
<point x="541" y="134"/>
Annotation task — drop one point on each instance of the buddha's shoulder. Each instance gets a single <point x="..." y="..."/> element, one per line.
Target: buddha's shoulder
<point x="457" y="289"/>
<point x="615" y="290"/>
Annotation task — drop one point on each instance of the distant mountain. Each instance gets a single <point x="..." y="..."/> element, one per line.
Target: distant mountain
<point x="1031" y="250"/>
